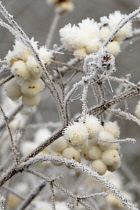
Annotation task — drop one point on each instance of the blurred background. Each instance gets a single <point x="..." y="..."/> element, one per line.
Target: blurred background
<point x="35" y="18"/>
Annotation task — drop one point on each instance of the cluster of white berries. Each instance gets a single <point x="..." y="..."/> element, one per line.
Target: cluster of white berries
<point x="62" y="5"/>
<point x="137" y="110"/>
<point x="27" y="73"/>
<point x="88" y="36"/>
<point x="92" y="141"/>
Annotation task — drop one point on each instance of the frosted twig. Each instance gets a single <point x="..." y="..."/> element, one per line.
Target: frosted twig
<point x="13" y="146"/>
<point x="4" y="80"/>
<point x="124" y="115"/>
<point x="120" y="25"/>
<point x="82" y="168"/>
<point x="2" y="200"/>
<point x="52" y="195"/>
<point x="32" y="195"/>
<point x="120" y="140"/>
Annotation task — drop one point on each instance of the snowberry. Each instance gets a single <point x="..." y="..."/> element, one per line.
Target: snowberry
<point x="115" y="166"/>
<point x="65" y="6"/>
<point x="41" y="135"/>
<point x="110" y="157"/>
<point x="71" y="153"/>
<point x="76" y="134"/>
<point x="94" y="153"/>
<point x="13" y="90"/>
<point x="93" y="126"/>
<point x="113" y="47"/>
<point x="99" y="166"/>
<point x="59" y="145"/>
<point x="80" y="53"/>
<point x="84" y="151"/>
<point x="107" y="137"/>
<point x="104" y="33"/>
<point x="19" y="69"/>
<point x="45" y="55"/>
<point x="113" y="128"/>
<point x="33" y="67"/>
<point x="30" y="101"/>
<point x="32" y="88"/>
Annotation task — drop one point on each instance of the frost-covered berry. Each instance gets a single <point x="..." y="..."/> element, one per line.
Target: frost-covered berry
<point x="59" y="145"/>
<point x="99" y="166"/>
<point x="104" y="33"/>
<point x="13" y="90"/>
<point x="28" y="147"/>
<point x="76" y="134"/>
<point x="33" y="67"/>
<point x="84" y="151"/>
<point x="80" y="53"/>
<point x="93" y="126"/>
<point x="137" y="110"/>
<point x="19" y="69"/>
<point x="114" y="47"/>
<point x="110" y="157"/>
<point x="107" y="137"/>
<point x="32" y="88"/>
<point x="94" y="152"/>
<point x="115" y="166"/>
<point x="113" y="128"/>
<point x="30" y="101"/>
<point x="45" y="55"/>
<point x="114" y="20"/>
<point x="71" y="153"/>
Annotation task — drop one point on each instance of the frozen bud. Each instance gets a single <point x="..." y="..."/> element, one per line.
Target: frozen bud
<point x="104" y="139"/>
<point x="30" y="101"/>
<point x="71" y="153"/>
<point x="99" y="166"/>
<point x="13" y="90"/>
<point x="45" y="55"/>
<point x="113" y="128"/>
<point x="110" y="157"/>
<point x="80" y="53"/>
<point x="105" y="32"/>
<point x="59" y="145"/>
<point x="84" y="151"/>
<point x="19" y="69"/>
<point x="76" y="134"/>
<point x="33" y="67"/>
<point x="137" y="110"/>
<point x="32" y="88"/>
<point x="115" y="166"/>
<point x="94" y="153"/>
<point x="93" y="126"/>
<point x="114" y="47"/>
<point x="65" y="6"/>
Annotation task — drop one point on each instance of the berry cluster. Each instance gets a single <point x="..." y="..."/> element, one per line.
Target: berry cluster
<point x="93" y="142"/>
<point x="88" y="36"/>
<point x="27" y="73"/>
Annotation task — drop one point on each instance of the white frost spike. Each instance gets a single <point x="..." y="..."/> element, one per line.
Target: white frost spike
<point x="93" y="126"/>
<point x="137" y="110"/>
<point x="13" y="90"/>
<point x="76" y="134"/>
<point x="33" y="67"/>
<point x="19" y="69"/>
<point x="59" y="145"/>
<point x="32" y="88"/>
<point x="30" y="101"/>
<point x="113" y="128"/>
